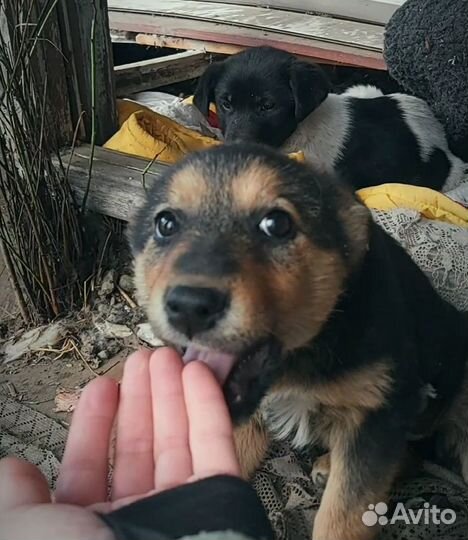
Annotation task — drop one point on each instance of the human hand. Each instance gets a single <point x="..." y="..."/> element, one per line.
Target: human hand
<point x="172" y="427"/>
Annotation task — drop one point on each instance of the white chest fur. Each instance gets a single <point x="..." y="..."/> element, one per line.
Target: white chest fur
<point x="290" y="415"/>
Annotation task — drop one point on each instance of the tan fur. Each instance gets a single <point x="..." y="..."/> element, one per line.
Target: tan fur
<point x="355" y="217"/>
<point x="251" y="441"/>
<point x="291" y="302"/>
<point x="250" y="298"/>
<point x="453" y="433"/>
<point x="304" y="294"/>
<point x="365" y="388"/>
<point x="340" y="514"/>
<point x="188" y="189"/>
<point x="321" y="468"/>
<point x="337" y="407"/>
<point x="255" y="187"/>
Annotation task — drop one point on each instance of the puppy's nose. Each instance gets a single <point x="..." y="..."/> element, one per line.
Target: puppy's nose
<point x="192" y="310"/>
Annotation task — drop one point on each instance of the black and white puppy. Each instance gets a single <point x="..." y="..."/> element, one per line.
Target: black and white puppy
<point x="268" y="96"/>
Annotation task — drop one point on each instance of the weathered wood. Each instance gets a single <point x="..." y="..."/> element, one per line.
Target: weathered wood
<point x="376" y="11"/>
<point x="349" y="33"/>
<point x="314" y="51"/>
<point x="223" y="37"/>
<point x="157" y="72"/>
<point x="86" y="37"/>
<point x="118" y="36"/>
<point x="118" y="186"/>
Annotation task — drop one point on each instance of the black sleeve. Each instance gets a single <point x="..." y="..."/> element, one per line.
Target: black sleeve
<point x="219" y="503"/>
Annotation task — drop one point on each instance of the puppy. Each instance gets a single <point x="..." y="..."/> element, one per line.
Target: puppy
<point x="319" y="326"/>
<point x="267" y="96"/>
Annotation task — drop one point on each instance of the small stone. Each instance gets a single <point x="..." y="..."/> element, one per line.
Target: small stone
<point x="102" y="355"/>
<point x="107" y="283"/>
<point x="66" y="400"/>
<point x="145" y="333"/>
<point x="34" y="340"/>
<point x="126" y="283"/>
<point x="111" y="330"/>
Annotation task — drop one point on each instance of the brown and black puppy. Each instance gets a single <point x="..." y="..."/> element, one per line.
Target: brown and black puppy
<point x="319" y="326"/>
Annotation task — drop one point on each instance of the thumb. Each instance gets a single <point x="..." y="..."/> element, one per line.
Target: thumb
<point x="22" y="484"/>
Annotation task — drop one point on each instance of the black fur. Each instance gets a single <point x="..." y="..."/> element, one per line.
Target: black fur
<point x="379" y="145"/>
<point x="261" y="76"/>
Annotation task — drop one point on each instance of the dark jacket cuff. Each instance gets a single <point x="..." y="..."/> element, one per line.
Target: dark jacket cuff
<point x="219" y="503"/>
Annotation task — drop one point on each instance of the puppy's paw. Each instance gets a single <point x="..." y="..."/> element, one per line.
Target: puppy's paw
<point x="321" y="471"/>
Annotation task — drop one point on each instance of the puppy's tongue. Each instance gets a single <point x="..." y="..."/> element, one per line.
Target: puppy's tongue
<point x="220" y="363"/>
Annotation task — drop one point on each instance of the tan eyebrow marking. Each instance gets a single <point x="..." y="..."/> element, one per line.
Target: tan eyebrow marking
<point x="188" y="189"/>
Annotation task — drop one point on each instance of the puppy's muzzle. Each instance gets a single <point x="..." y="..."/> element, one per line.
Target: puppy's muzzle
<point x="193" y="310"/>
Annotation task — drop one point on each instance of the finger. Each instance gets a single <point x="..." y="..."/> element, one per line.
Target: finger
<point x="134" y="461"/>
<point x="172" y="452"/>
<point x="211" y="433"/>
<point x="83" y="474"/>
<point x="22" y="484"/>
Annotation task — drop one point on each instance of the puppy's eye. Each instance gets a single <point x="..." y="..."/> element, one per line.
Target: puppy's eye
<point x="267" y="106"/>
<point x="166" y="224"/>
<point x="277" y="224"/>
<point x="226" y="105"/>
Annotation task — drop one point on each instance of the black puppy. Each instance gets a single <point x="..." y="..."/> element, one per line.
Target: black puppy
<point x="319" y="326"/>
<point x="267" y="96"/>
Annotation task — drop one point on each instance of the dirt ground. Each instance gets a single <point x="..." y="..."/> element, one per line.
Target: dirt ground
<point x="91" y="343"/>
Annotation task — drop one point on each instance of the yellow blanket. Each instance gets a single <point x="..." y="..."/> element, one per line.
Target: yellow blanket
<point x="147" y="134"/>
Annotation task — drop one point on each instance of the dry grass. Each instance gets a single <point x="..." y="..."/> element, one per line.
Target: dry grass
<point x="40" y="228"/>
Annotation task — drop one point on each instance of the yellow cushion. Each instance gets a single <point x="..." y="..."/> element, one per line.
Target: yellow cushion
<point x="429" y="203"/>
<point x="147" y="134"/>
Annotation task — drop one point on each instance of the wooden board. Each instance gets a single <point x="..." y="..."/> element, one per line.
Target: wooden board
<point x="375" y="11"/>
<point x="327" y="29"/>
<point x="157" y="72"/>
<point x="223" y="39"/>
<point x="227" y="43"/>
<point x="117" y="186"/>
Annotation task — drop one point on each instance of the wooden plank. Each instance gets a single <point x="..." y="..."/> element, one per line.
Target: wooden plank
<point x="85" y="27"/>
<point x="120" y="36"/>
<point x="350" y="33"/>
<point x="374" y="11"/>
<point x="306" y="49"/>
<point x="157" y="72"/>
<point x="220" y="38"/>
<point x="117" y="186"/>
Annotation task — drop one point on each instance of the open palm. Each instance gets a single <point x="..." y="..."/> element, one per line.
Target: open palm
<point x="172" y="426"/>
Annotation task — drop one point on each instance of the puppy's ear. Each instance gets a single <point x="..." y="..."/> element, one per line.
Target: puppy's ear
<point x="204" y="94"/>
<point x="309" y="85"/>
